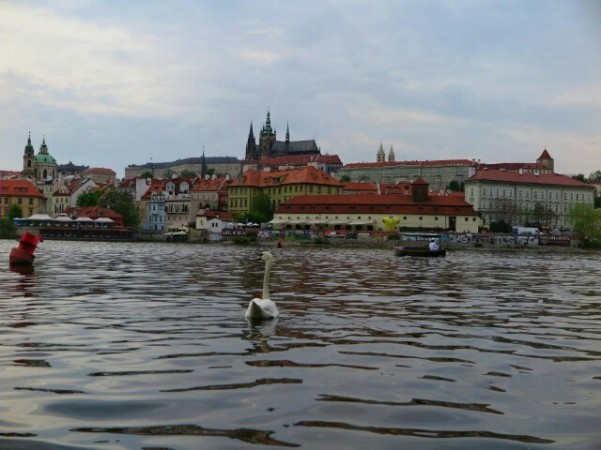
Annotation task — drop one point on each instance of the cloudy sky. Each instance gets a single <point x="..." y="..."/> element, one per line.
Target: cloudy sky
<point x="113" y="83"/>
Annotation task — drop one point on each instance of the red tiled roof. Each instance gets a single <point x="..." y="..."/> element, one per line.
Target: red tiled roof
<point x="202" y="184"/>
<point x="544" y="155"/>
<point x="127" y="183"/>
<point x="100" y="170"/>
<point x="370" y="188"/>
<point x="156" y="187"/>
<point x="303" y="175"/>
<point x="439" y="162"/>
<point x="515" y="166"/>
<point x="376" y="204"/>
<point x="526" y="178"/>
<point x="299" y="159"/>
<point x="19" y="188"/>
<point x="212" y="214"/>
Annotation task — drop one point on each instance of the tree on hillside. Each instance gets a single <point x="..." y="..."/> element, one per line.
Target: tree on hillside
<point x="89" y="198"/>
<point x="579" y="177"/>
<point x="261" y="210"/>
<point x="455" y="186"/>
<point x="187" y="173"/>
<point x="122" y="203"/>
<point x="586" y="222"/>
<point x="595" y="176"/>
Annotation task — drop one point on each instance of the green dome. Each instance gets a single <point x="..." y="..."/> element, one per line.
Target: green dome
<point x="46" y="158"/>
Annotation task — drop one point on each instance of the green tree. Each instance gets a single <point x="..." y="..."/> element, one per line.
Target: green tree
<point x="579" y="177"/>
<point x="168" y="173"/>
<point x="89" y="198"/>
<point x="261" y="210"/>
<point x="454" y="186"/>
<point x="586" y="222"/>
<point x="7" y="227"/>
<point x="122" y="203"/>
<point x="147" y="174"/>
<point x="15" y="211"/>
<point x="542" y="215"/>
<point x="345" y="178"/>
<point x="187" y="173"/>
<point x="595" y="176"/>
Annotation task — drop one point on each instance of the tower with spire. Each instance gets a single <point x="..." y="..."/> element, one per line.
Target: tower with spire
<point x="28" y="160"/>
<point x="546" y="160"/>
<point x="269" y="146"/>
<point x="391" y="156"/>
<point x="381" y="156"/>
<point x="251" y="153"/>
<point x="267" y="137"/>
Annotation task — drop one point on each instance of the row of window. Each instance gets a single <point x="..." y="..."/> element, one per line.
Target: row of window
<point x="536" y="194"/>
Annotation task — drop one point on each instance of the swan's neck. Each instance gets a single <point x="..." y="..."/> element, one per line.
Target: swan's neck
<point x="268" y="265"/>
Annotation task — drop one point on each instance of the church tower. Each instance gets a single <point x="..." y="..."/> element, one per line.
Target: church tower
<point x="391" y="157"/>
<point x="546" y="160"/>
<point x="381" y="157"/>
<point x="45" y="164"/>
<point x="251" y="146"/>
<point x="28" y="160"/>
<point x="267" y="138"/>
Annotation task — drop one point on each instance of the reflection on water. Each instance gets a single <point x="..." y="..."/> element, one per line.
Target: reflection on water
<point x="131" y="346"/>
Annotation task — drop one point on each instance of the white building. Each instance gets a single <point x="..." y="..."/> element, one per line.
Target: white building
<point x="525" y="197"/>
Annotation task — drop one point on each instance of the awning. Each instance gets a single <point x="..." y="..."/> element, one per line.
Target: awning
<point x="278" y="222"/>
<point x="316" y="221"/>
<point x="338" y="222"/>
<point x="362" y="222"/>
<point x="40" y="217"/>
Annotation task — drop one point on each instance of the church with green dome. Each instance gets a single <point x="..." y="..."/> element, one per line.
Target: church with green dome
<point x="41" y="167"/>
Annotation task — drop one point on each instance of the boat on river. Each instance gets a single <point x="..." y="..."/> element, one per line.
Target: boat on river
<point x="419" y="251"/>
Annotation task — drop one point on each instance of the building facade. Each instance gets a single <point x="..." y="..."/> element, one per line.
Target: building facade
<point x="417" y="211"/>
<point x="279" y="186"/>
<point x="518" y="198"/>
<point x="220" y="165"/>
<point x="438" y="173"/>
<point x="22" y="193"/>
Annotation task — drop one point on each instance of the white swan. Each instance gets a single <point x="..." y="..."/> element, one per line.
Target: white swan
<point x="263" y="308"/>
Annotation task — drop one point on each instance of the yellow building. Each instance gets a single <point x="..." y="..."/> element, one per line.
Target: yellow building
<point x="23" y="193"/>
<point x="279" y="186"/>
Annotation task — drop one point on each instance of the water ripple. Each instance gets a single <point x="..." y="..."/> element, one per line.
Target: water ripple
<point x="144" y="346"/>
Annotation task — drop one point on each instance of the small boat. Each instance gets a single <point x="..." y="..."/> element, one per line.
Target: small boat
<point x="419" y="251"/>
<point x="23" y="254"/>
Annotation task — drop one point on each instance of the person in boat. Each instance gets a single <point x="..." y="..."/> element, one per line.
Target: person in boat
<point x="434" y="247"/>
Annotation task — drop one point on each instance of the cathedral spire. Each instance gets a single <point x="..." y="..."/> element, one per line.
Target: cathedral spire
<point x="251" y="146"/>
<point x="44" y="147"/>
<point x="287" y="133"/>
<point x="204" y="170"/>
<point x="29" y="150"/>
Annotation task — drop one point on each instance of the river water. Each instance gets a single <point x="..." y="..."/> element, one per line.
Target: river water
<point x="145" y="346"/>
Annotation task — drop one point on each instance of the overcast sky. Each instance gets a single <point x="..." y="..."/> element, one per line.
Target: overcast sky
<point x="113" y="83"/>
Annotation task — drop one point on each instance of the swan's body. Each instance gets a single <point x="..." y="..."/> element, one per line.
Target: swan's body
<point x="263" y="308"/>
